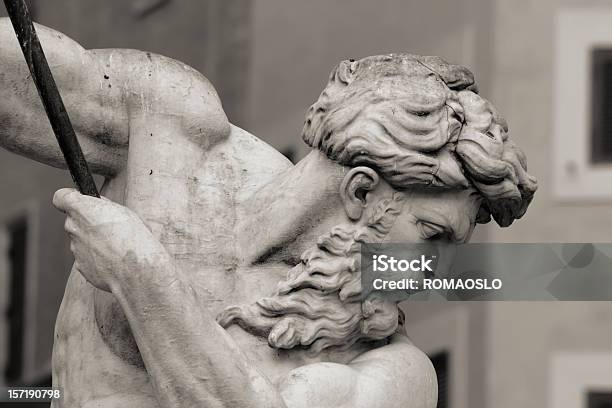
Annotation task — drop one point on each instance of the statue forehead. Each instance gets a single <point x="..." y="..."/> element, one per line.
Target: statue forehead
<point x="450" y="201"/>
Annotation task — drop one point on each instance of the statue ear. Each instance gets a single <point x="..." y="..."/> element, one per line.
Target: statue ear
<point x="354" y="189"/>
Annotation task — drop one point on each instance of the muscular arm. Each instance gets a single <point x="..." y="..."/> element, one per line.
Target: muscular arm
<point x="98" y="113"/>
<point x="103" y="90"/>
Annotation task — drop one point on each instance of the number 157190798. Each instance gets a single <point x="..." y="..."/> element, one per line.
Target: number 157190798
<point x="31" y="394"/>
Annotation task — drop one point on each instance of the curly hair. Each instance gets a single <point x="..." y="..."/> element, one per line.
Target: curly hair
<point x="419" y="121"/>
<point x="319" y="304"/>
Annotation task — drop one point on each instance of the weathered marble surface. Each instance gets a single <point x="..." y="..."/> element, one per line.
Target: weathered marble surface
<point x="218" y="274"/>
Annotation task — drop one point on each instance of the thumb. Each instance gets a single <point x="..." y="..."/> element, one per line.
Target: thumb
<point x="68" y="200"/>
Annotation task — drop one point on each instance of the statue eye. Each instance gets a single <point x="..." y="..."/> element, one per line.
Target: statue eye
<point x="422" y="113"/>
<point x="429" y="230"/>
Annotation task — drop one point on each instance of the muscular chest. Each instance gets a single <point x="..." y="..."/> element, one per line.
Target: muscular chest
<point x="191" y="195"/>
<point x="189" y="198"/>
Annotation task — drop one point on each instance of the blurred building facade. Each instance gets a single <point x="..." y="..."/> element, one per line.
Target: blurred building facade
<point x="269" y="60"/>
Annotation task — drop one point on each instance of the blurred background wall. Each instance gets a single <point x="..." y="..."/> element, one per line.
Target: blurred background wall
<point x="269" y="60"/>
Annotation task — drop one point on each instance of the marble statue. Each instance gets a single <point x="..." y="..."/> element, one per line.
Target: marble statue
<point x="215" y="273"/>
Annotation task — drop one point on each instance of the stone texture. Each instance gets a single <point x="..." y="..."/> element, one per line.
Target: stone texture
<point x="216" y="273"/>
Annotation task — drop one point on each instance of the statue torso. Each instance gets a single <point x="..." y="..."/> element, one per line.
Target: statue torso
<point x="192" y="206"/>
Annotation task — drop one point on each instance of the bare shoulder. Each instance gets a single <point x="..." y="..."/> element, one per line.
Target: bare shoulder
<point x="106" y="89"/>
<point x="395" y="375"/>
<point x="156" y="85"/>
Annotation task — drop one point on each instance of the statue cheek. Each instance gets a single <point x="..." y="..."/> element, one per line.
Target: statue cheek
<point x="403" y="230"/>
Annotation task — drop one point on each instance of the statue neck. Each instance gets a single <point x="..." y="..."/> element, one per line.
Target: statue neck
<point x="287" y="215"/>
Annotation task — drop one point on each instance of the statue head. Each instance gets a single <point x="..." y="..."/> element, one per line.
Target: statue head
<point x="427" y="158"/>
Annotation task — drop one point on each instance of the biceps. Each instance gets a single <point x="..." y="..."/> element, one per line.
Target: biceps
<point x="94" y="107"/>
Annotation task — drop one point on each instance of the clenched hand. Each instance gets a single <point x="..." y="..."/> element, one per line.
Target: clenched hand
<point x="108" y="240"/>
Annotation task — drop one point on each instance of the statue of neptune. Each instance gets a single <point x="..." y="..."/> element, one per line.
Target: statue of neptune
<point x="215" y="273"/>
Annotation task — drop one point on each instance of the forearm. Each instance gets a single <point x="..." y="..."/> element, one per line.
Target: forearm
<point x="191" y="360"/>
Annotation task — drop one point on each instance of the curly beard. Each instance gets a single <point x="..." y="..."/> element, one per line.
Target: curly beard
<point x="319" y="305"/>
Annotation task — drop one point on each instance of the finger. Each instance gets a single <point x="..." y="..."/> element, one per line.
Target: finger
<point x="70" y="201"/>
<point x="64" y="198"/>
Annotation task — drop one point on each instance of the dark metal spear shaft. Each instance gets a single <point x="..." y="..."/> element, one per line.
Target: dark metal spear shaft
<point x="50" y="96"/>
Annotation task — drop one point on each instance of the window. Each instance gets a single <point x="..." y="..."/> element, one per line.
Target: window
<point x="580" y="379"/>
<point x="596" y="399"/>
<point x="582" y="134"/>
<point x="601" y="102"/>
<point x="17" y="234"/>
<point x="440" y="363"/>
